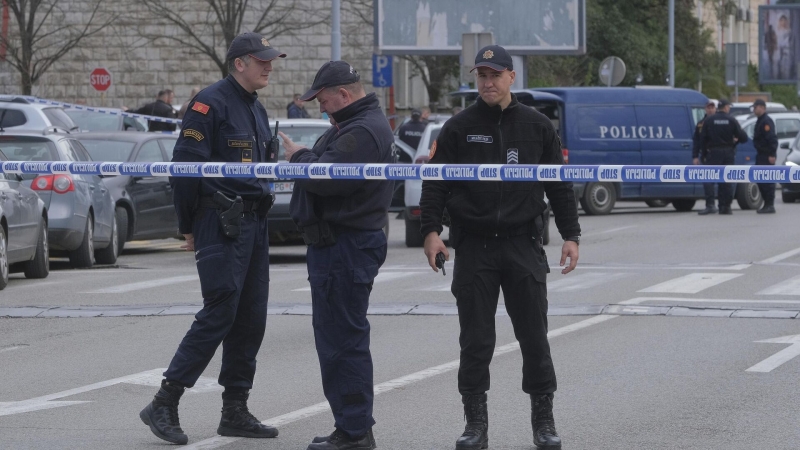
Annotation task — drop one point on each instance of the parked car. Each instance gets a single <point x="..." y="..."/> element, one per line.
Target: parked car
<point x="742" y="111"/>
<point x="96" y="121"/>
<point x="80" y="210"/>
<point x="787" y="126"/>
<point x="18" y="114"/>
<point x="790" y="192"/>
<point x="23" y="229"/>
<point x="143" y="206"/>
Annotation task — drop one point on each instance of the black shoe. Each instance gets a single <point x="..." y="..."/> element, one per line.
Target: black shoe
<point x="708" y="210"/>
<point x="766" y="210"/>
<point x="725" y="210"/>
<point x="161" y="415"/>
<point x="476" y="433"/>
<point x="544" y="426"/>
<point x="237" y="421"/>
<point x="339" y="440"/>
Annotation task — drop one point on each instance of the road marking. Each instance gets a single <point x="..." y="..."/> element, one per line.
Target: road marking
<point x="692" y="283"/>
<point x="780" y="257"/>
<point x="8" y="349"/>
<point x="708" y="300"/>
<point x="143" y="285"/>
<point x="613" y="230"/>
<point x="381" y="278"/>
<point x="583" y="281"/>
<point x="397" y="383"/>
<point x="710" y="266"/>
<point x="778" y="359"/>
<point x="788" y="287"/>
<point x="438" y="288"/>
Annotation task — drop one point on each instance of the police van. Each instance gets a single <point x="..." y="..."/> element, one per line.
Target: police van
<point x="629" y="126"/>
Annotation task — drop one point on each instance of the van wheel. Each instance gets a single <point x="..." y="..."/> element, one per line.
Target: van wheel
<point x="39" y="266"/>
<point x="598" y="199"/>
<point x="788" y="197"/>
<point x="413" y="236"/>
<point x="684" y="204"/>
<point x="657" y="203"/>
<point x="748" y="196"/>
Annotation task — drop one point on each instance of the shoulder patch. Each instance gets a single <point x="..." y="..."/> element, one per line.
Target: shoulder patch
<point x="766" y="128"/>
<point x="202" y="108"/>
<point x="194" y="134"/>
<point x="346" y="143"/>
<point x="433" y="150"/>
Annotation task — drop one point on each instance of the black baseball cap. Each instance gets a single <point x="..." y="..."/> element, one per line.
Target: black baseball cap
<point x="493" y="57"/>
<point x="759" y="102"/>
<point x="332" y="73"/>
<point x="723" y="103"/>
<point x="416" y="113"/>
<point x="255" y="45"/>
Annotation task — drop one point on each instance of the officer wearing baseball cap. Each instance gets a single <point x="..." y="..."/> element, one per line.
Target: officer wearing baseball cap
<point x="224" y="221"/>
<point x="699" y="155"/>
<point x="718" y="139"/>
<point x="765" y="141"/>
<point x="496" y="231"/>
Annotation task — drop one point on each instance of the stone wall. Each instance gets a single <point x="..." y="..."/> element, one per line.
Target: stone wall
<point x="141" y="64"/>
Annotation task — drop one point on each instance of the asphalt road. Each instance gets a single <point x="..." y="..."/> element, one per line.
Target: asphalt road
<point x="656" y="339"/>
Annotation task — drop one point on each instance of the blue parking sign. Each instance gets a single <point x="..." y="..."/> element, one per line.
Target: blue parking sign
<point x="382" y="71"/>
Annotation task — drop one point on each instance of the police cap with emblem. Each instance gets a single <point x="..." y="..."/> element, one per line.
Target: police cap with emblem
<point x="332" y="73"/>
<point x="723" y="103"/>
<point x="254" y="45"/>
<point x="493" y="57"/>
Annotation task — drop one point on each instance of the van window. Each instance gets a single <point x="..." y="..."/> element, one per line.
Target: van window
<point x="662" y="122"/>
<point x="697" y="115"/>
<point x="606" y="122"/>
<point x="748" y="130"/>
<point x="787" y="128"/>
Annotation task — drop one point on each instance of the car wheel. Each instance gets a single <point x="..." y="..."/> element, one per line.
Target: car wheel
<point x="657" y="203"/>
<point x="748" y="196"/>
<point x="83" y="256"/>
<point x="684" y="204"/>
<point x="788" y="197"/>
<point x="598" y="199"/>
<point x="122" y="227"/>
<point x="109" y="254"/>
<point x="39" y="266"/>
<point x="413" y="236"/>
<point x="3" y="259"/>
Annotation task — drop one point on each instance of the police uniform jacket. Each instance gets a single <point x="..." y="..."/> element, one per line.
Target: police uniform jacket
<point x="158" y="108"/>
<point x="361" y="135"/>
<point x="765" y="139"/>
<point x="482" y="134"/>
<point x="697" y="147"/>
<point x="227" y="124"/>
<point x="721" y="131"/>
<point x="411" y="132"/>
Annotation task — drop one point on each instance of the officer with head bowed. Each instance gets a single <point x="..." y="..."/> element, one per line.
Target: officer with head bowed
<point x="765" y="141"/>
<point x="699" y="155"/>
<point x="496" y="233"/>
<point x="342" y="223"/>
<point x="718" y="139"/>
<point x="224" y="221"/>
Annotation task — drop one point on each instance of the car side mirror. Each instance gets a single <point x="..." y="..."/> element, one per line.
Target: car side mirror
<point x="785" y="145"/>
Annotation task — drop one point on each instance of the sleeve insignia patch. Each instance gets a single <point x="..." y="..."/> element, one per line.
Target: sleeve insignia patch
<point x="194" y="134"/>
<point x="433" y="150"/>
<point x="202" y="108"/>
<point x="766" y="128"/>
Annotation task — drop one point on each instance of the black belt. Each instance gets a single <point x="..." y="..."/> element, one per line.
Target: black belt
<point x="249" y="205"/>
<point x="524" y="230"/>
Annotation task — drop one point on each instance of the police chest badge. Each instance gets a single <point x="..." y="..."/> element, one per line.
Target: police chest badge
<point x="247" y="155"/>
<point x="433" y="151"/>
<point x="512" y="156"/>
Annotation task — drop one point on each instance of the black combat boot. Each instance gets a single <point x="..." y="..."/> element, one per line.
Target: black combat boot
<point x="476" y="433"/>
<point x="766" y="209"/>
<point x="710" y="209"/>
<point x="236" y="418"/>
<point x="544" y="426"/>
<point x="161" y="415"/>
<point x="339" y="440"/>
<point x="725" y="210"/>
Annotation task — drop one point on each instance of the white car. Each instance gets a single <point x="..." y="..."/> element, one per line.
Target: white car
<point x="413" y="188"/>
<point x="742" y="111"/>
<point x="18" y="114"/>
<point x="787" y="126"/>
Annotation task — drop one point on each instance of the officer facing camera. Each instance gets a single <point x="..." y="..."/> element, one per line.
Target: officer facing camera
<point x="224" y="221"/>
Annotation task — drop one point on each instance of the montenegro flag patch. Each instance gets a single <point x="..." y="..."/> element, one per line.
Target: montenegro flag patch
<point x="202" y="108"/>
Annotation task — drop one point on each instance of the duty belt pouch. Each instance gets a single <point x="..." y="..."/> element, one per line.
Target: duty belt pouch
<point x="265" y="205"/>
<point x="230" y="214"/>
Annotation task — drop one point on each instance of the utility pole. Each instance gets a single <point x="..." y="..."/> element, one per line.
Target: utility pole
<point x="336" y="31"/>
<point x="672" y="43"/>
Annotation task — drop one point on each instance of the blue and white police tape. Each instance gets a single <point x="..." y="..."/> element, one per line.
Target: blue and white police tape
<point x="113" y="112"/>
<point x="456" y="172"/>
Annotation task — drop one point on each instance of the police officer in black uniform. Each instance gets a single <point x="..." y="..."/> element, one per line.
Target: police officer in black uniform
<point x="225" y="225"/>
<point x="496" y="233"/>
<point x="411" y="131"/>
<point x="698" y="156"/>
<point x="718" y="139"/>
<point x="342" y="223"/>
<point x="162" y="107"/>
<point x="765" y="141"/>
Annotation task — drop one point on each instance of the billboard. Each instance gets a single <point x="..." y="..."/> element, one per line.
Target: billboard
<point x="434" y="27"/>
<point x="778" y="44"/>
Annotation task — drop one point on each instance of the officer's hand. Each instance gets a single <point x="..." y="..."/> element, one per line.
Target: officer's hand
<point x="434" y="245"/>
<point x="696" y="161"/>
<point x="569" y="249"/>
<point x="189" y="245"/>
<point x="289" y="145"/>
<point x="772" y="160"/>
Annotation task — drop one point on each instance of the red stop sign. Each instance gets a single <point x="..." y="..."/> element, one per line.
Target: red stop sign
<point x="100" y="79"/>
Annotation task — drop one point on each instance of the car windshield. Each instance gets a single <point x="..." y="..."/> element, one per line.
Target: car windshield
<point x="305" y="135"/>
<point x="94" y="121"/>
<point x="28" y="148"/>
<point x="106" y="150"/>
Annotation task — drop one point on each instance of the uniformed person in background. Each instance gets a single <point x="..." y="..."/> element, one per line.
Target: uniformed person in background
<point x="496" y="233"/>
<point x="765" y="141"/>
<point x="162" y="107"/>
<point x="411" y="131"/>
<point x="224" y="221"/>
<point x="342" y="223"/>
<point x="719" y="136"/>
<point x="699" y="156"/>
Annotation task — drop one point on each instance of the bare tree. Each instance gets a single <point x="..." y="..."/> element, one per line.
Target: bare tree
<point x="225" y="19"/>
<point x="41" y="36"/>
